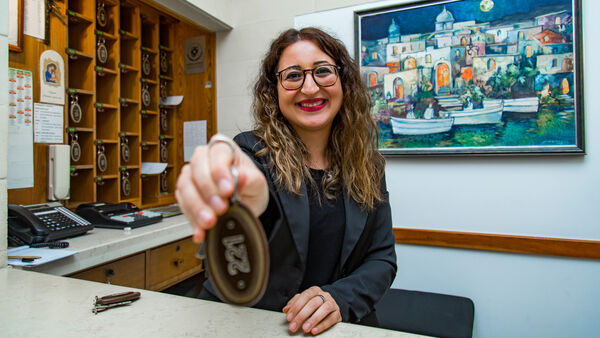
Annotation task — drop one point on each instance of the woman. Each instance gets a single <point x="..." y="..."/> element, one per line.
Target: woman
<point x="311" y="173"/>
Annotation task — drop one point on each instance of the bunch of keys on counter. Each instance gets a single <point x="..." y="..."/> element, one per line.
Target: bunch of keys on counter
<point x="114" y="300"/>
<point x="235" y="250"/>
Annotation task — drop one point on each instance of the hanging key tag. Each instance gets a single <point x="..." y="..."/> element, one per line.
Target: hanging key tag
<point x="235" y="251"/>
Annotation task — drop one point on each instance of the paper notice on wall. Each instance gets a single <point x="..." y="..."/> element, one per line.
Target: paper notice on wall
<point x="34" y="18"/>
<point x="20" y="129"/>
<point x="47" y="123"/>
<point x="194" y="134"/>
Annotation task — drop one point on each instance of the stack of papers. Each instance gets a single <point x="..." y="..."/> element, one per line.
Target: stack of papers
<point x="46" y="255"/>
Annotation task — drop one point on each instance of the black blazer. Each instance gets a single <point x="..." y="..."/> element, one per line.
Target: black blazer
<point x="367" y="262"/>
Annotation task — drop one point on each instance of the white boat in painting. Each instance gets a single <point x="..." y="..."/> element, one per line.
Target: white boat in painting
<point x="408" y="126"/>
<point x="522" y="105"/>
<point x="490" y="113"/>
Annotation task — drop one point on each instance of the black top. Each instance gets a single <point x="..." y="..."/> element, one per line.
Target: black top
<point x="327" y="225"/>
<point x="367" y="262"/>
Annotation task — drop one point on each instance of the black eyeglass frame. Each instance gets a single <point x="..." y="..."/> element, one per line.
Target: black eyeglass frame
<point x="311" y="70"/>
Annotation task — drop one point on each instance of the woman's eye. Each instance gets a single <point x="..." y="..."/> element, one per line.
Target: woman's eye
<point x="293" y="76"/>
<point x="323" y="71"/>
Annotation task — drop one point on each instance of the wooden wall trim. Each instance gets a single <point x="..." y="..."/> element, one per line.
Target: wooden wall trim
<point x="563" y="247"/>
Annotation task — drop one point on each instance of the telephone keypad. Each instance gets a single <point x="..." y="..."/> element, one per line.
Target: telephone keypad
<point x="56" y="221"/>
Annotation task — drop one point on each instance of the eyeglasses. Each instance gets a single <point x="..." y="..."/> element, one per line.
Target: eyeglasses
<point x="324" y="75"/>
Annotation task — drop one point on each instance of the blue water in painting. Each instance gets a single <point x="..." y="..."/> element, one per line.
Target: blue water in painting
<point x="546" y="128"/>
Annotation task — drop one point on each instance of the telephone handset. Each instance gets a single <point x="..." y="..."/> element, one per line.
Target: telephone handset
<point x="42" y="223"/>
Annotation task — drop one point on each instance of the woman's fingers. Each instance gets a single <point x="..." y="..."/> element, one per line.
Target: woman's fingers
<point x="331" y="319"/>
<point x="206" y="184"/>
<point x="202" y="178"/>
<point x="192" y="204"/>
<point x="314" y="310"/>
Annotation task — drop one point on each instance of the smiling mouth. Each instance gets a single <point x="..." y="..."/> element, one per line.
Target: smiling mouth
<point x="312" y="105"/>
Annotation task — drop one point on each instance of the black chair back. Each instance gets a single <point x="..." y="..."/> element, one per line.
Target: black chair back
<point x="427" y="313"/>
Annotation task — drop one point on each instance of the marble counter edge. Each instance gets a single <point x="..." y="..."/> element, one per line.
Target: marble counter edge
<point x="104" y="245"/>
<point x="176" y="316"/>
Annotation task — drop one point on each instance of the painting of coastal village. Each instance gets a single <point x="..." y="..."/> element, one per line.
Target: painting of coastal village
<point x="474" y="76"/>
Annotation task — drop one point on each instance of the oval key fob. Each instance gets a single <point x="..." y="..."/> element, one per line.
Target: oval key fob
<point x="237" y="256"/>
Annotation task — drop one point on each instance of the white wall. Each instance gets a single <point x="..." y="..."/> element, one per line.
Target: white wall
<point x="3" y="126"/>
<point x="515" y="295"/>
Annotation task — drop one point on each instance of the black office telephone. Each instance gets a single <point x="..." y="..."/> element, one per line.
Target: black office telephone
<point x="43" y="223"/>
<point x="117" y="216"/>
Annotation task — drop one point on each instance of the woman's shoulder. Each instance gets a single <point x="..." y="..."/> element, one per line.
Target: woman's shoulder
<point x="249" y="141"/>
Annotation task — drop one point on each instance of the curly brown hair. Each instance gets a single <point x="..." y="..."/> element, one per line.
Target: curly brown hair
<point x="355" y="163"/>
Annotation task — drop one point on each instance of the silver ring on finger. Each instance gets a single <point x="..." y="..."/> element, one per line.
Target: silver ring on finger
<point x="322" y="298"/>
<point x="234" y="172"/>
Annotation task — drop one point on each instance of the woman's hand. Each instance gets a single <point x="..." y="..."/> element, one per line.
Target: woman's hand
<point x="205" y="185"/>
<point x="314" y="309"/>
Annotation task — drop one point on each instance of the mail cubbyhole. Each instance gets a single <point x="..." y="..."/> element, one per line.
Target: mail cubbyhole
<point x="130" y="54"/>
<point x="107" y="84"/>
<point x="80" y="73"/>
<point x="130" y="86"/>
<point x="150" y="127"/>
<point x="81" y="32"/>
<point x="150" y="189"/>
<point x="83" y="189"/>
<point x="167" y="181"/>
<point x="107" y="16"/>
<point x="149" y="63"/>
<point x="130" y="187"/>
<point x="167" y="121"/>
<point x="107" y="52"/>
<point x="149" y="151"/>
<point x="166" y="32"/>
<point x="80" y="109"/>
<point x="107" y="157"/>
<point x="130" y="151"/>
<point x="84" y="8"/>
<point x="129" y="19"/>
<point x="149" y="95"/>
<point x="107" y="189"/>
<point x="82" y="146"/>
<point x="130" y="119"/>
<point x="149" y="30"/>
<point x="107" y="123"/>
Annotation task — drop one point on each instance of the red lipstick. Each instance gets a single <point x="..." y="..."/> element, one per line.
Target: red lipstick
<point x="311" y="105"/>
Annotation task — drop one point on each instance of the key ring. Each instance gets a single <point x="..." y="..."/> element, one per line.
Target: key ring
<point x="235" y="250"/>
<point x="234" y="172"/>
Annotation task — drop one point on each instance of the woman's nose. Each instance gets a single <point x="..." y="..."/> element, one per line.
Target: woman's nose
<point x="309" y="86"/>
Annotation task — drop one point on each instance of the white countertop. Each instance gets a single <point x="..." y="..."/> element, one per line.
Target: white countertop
<point x="41" y="305"/>
<point x="104" y="245"/>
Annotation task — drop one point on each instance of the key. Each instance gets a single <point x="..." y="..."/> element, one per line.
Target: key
<point x="100" y="308"/>
<point x="235" y="250"/>
<point x="56" y="10"/>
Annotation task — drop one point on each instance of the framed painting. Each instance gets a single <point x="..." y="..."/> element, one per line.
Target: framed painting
<point x="474" y="76"/>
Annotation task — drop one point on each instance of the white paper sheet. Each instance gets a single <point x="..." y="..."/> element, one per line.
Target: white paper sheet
<point x="13" y="23"/>
<point x="34" y="18"/>
<point x="47" y="255"/>
<point x="172" y="100"/>
<point x="47" y="123"/>
<point x="194" y="134"/>
<point x="20" y="129"/>
<point x="150" y="168"/>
